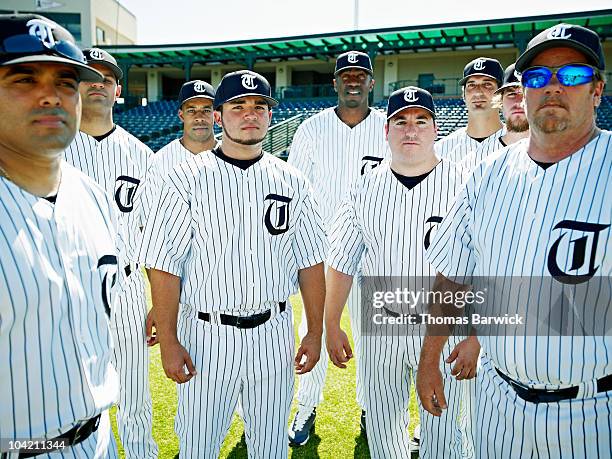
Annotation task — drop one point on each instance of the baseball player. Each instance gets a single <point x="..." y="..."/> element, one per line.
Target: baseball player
<point x="118" y="162"/>
<point x="389" y="242"/>
<point x="196" y="112"/>
<point x="333" y="148"/>
<point x="539" y="210"/>
<point x="58" y="258"/>
<point x="481" y="78"/>
<point x="508" y="98"/>
<point x="232" y="234"/>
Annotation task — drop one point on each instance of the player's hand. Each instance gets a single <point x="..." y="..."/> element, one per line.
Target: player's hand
<point x="175" y="359"/>
<point x="465" y="356"/>
<point x="150" y="325"/>
<point x="310" y="349"/>
<point x="430" y="388"/>
<point x="338" y="347"/>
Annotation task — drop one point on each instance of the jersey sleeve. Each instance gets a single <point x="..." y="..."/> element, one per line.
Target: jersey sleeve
<point x="452" y="249"/>
<point x="309" y="243"/>
<point x="166" y="241"/>
<point x="301" y="152"/>
<point x="346" y="244"/>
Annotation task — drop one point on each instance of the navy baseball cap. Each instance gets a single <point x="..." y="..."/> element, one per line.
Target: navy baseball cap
<point x="564" y="35"/>
<point x="410" y="97"/>
<point x="195" y="88"/>
<point x="510" y="79"/>
<point x="99" y="56"/>
<point x="241" y="84"/>
<point x="32" y="38"/>
<point x="485" y="66"/>
<point x="353" y="60"/>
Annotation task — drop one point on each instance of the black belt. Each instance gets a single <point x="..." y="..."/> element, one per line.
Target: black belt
<point x="244" y="322"/>
<point x="74" y="436"/>
<point x="550" y="396"/>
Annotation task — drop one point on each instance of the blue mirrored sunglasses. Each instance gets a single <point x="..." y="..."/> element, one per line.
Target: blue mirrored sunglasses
<point x="26" y="44"/>
<point x="567" y="75"/>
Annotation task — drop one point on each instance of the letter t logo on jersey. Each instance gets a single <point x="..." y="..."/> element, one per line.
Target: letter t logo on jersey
<point x="277" y="214"/>
<point x="125" y="189"/>
<point x="576" y="257"/>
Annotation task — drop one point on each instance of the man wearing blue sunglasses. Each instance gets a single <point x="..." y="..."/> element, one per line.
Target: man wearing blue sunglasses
<point x="538" y="212"/>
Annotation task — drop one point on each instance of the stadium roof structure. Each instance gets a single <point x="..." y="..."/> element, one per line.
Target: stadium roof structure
<point x="496" y="33"/>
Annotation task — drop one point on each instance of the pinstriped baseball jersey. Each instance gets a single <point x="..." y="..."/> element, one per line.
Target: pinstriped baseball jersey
<point x="487" y="148"/>
<point x="161" y="164"/>
<point x="459" y="147"/>
<point x="332" y="155"/>
<point x="515" y="218"/>
<point x="384" y="227"/>
<point x="118" y="163"/>
<point x="236" y="237"/>
<point x="58" y="263"/>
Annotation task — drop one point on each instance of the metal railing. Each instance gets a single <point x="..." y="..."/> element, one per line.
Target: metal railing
<point x="280" y="135"/>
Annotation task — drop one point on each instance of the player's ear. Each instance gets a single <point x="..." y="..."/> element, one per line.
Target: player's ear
<point x="218" y="120"/>
<point x="372" y="84"/>
<point x="335" y="87"/>
<point x="180" y="115"/>
<point x="387" y="131"/>
<point x="598" y="87"/>
<point x="118" y="91"/>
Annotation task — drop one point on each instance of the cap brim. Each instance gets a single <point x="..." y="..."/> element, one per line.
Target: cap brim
<point x="507" y="85"/>
<point x="525" y="59"/>
<point x="115" y="69"/>
<point x="273" y="102"/>
<point x="464" y="79"/>
<point x="196" y="97"/>
<point x="85" y="72"/>
<point x="407" y="108"/>
<point x="354" y="67"/>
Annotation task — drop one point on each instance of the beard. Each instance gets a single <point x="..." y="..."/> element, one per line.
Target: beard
<point x="518" y="124"/>
<point x="549" y="124"/>
<point x="254" y="141"/>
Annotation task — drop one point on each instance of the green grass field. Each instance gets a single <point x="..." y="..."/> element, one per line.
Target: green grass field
<point x="337" y="428"/>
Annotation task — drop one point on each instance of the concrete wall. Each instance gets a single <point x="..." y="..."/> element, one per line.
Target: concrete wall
<point x="107" y="14"/>
<point x="117" y="21"/>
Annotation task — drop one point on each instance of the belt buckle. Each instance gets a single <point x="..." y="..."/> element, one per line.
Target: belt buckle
<point x="241" y="322"/>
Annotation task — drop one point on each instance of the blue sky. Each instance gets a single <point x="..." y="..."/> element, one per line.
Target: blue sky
<point x="197" y="21"/>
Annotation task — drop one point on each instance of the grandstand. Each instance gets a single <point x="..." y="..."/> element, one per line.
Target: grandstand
<point x="300" y="69"/>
